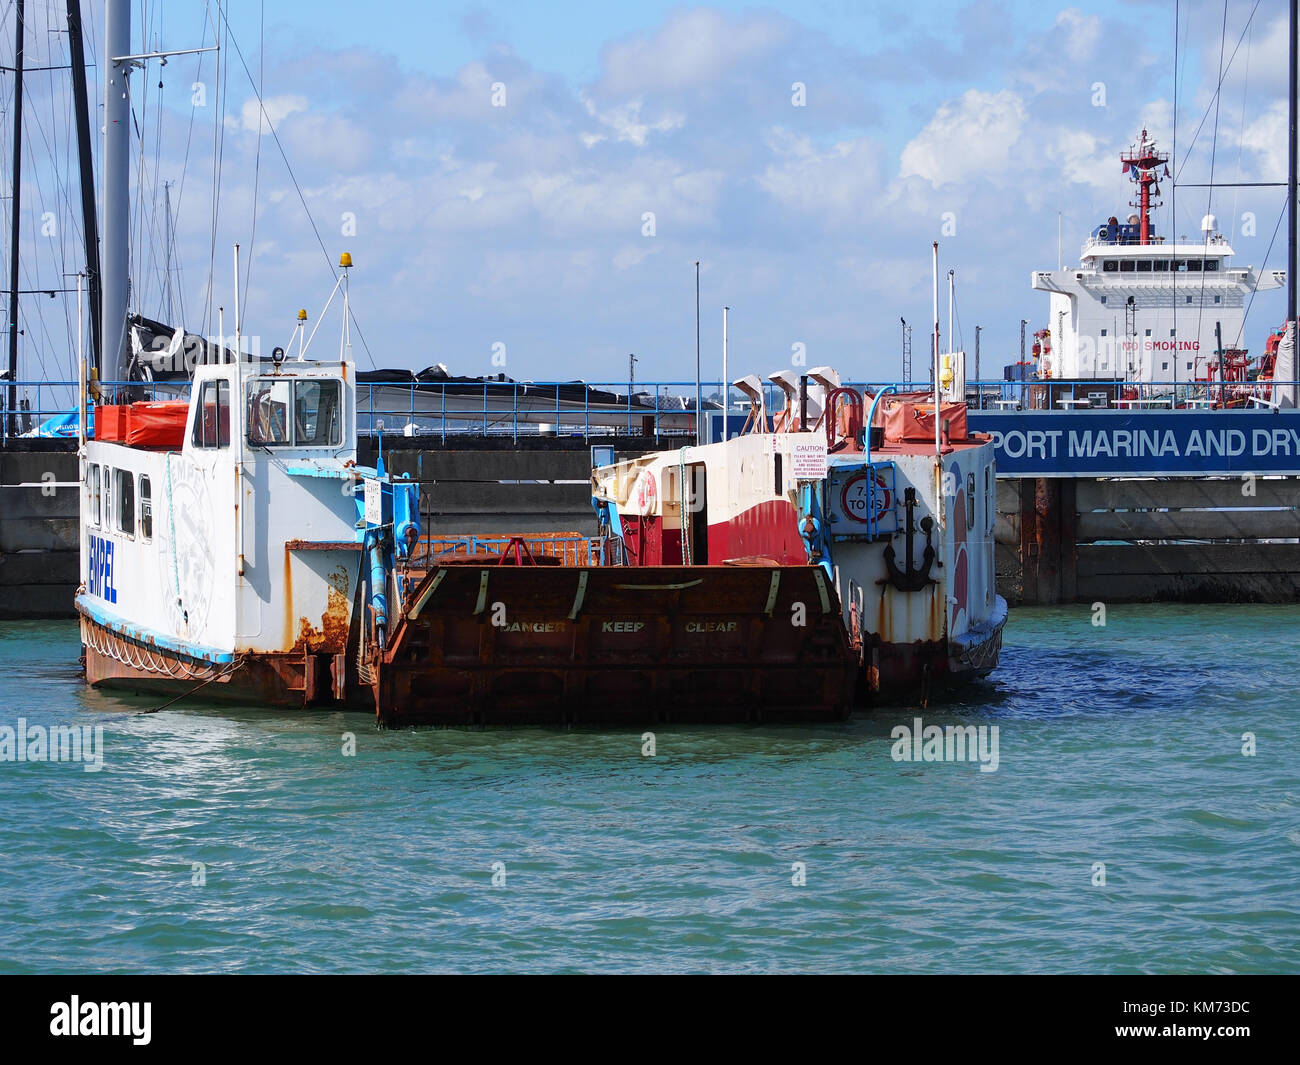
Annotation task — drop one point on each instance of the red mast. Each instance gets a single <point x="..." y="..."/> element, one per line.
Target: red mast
<point x="1141" y="163"/>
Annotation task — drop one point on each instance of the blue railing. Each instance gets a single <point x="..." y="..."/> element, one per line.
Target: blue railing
<point x="658" y="408"/>
<point x="38" y="401"/>
<point x="570" y="549"/>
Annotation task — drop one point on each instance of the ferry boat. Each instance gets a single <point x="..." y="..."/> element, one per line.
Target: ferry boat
<point x="233" y="546"/>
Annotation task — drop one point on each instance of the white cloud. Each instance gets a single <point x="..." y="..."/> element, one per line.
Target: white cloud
<point x="1266" y="136"/>
<point x="625" y="122"/>
<point x="692" y="48"/>
<point x="275" y="108"/>
<point x="842" y="179"/>
<point x="1079" y="34"/>
<point x="973" y="136"/>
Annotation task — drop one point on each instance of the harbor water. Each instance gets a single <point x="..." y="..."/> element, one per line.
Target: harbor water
<point x="1142" y="814"/>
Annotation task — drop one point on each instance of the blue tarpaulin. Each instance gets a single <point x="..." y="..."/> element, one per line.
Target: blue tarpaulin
<point x="64" y="425"/>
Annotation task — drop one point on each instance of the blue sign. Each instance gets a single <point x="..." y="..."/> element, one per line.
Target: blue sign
<point x="100" y="581"/>
<point x="714" y="430"/>
<point x="1142" y="443"/>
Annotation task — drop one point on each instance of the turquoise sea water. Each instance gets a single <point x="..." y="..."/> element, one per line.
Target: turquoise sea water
<point x="1119" y="745"/>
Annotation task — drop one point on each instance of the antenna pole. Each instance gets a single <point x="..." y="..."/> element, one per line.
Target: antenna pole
<point x="15" y="208"/>
<point x="934" y="369"/>
<point x="951" y="282"/>
<point x="238" y="353"/>
<point x="726" y="378"/>
<point x="699" y="398"/>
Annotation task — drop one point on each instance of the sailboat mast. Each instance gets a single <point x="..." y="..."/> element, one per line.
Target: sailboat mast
<point x="89" y="220"/>
<point x="1291" y="182"/>
<point x="16" y="209"/>
<point x="117" y="189"/>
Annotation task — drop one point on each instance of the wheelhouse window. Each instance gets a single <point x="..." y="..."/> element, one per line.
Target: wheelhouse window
<point x="146" y="507"/>
<point x="124" y="502"/>
<point x="1110" y="266"/>
<point x="93" y="490"/>
<point x="1144" y="266"/>
<point x="1212" y="264"/>
<point x="212" y="420"/>
<point x="1127" y="266"/>
<point x="284" y="412"/>
<point x="1160" y="266"/>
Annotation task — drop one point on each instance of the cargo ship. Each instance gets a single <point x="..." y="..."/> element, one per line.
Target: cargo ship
<point x="1142" y="309"/>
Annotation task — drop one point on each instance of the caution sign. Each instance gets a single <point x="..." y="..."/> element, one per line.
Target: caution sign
<point x="809" y="458"/>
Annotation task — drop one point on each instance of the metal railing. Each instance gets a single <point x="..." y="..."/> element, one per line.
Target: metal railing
<point x="569" y="549"/>
<point x="654" y="409"/>
<point x="39" y="401"/>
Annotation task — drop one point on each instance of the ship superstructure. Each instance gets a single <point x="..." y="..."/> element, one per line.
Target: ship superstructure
<point x="1140" y="307"/>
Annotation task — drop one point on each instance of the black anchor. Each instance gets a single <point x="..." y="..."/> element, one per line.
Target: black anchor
<point x="909" y="579"/>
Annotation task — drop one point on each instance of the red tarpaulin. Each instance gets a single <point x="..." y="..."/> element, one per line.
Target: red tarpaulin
<point x="157" y="424"/>
<point x="111" y="423"/>
<point x="912" y="421"/>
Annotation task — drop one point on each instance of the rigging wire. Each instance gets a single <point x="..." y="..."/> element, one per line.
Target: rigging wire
<point x="1249" y="303"/>
<point x="1241" y="133"/>
<point x="1209" y="193"/>
<point x="292" y="177"/>
<point x="1223" y="73"/>
<point x="257" y="162"/>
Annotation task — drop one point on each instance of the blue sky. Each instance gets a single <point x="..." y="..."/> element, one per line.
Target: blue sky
<point x="523" y="225"/>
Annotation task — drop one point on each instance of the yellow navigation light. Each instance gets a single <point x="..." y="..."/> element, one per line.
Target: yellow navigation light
<point x="345" y="260"/>
<point x="302" y="314"/>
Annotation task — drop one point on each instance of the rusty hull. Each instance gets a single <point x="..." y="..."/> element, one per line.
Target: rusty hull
<point x="506" y="644"/>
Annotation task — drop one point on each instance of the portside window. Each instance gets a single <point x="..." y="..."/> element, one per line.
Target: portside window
<point x="212" y="420"/>
<point x="93" y="491"/>
<point x="283" y="412"/>
<point x="970" y="500"/>
<point x="124" y="498"/>
<point x="780" y="479"/>
<point x="146" y="507"/>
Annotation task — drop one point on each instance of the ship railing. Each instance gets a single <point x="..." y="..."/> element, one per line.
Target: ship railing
<point x="570" y="548"/>
<point x="655" y="409"/>
<point x="34" y="403"/>
<point x="1092" y="394"/>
